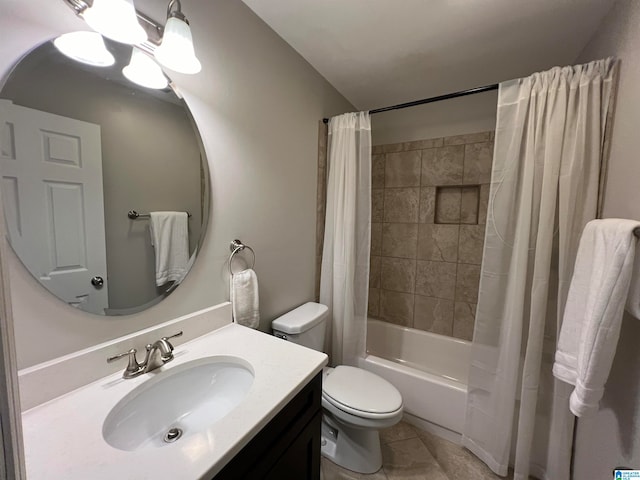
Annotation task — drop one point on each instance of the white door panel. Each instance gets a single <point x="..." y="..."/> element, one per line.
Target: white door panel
<point x="52" y="187"/>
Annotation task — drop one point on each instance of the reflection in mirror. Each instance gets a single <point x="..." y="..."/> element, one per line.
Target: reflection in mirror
<point x="81" y="146"/>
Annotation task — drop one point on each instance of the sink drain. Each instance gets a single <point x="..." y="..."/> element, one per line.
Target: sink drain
<point x="172" y="435"/>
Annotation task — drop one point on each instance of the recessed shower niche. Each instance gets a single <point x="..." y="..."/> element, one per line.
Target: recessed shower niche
<point x="457" y="205"/>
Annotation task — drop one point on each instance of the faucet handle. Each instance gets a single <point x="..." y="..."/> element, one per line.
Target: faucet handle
<point x="179" y="334"/>
<point x="165" y="339"/>
<point x="133" y="367"/>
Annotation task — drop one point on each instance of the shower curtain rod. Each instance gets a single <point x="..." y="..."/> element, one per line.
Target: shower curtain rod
<point x="463" y="93"/>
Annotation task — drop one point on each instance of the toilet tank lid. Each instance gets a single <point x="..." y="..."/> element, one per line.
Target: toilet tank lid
<point x="301" y="319"/>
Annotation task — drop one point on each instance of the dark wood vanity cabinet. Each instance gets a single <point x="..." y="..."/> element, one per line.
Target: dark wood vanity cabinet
<point x="288" y="448"/>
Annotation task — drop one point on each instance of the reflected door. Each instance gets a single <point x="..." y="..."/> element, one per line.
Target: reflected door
<point x="52" y="190"/>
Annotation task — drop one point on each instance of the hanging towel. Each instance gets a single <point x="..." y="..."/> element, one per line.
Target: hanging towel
<point x="170" y="238"/>
<point x="244" y="298"/>
<point x="633" y="299"/>
<point x="187" y="269"/>
<point x="593" y="314"/>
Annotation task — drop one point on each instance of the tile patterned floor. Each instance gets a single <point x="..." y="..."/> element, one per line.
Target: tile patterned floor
<point x="409" y="453"/>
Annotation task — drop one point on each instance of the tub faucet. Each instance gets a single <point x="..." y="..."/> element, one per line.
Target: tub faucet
<point x="158" y="353"/>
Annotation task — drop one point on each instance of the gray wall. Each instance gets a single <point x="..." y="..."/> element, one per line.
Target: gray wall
<point x="257" y="104"/>
<point x="459" y="116"/>
<point x="150" y="160"/>
<point x="612" y="437"/>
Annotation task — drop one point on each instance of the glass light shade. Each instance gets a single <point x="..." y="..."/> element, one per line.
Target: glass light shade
<point x="144" y="71"/>
<point x="176" y="51"/>
<point x="115" y="19"/>
<point x="85" y="47"/>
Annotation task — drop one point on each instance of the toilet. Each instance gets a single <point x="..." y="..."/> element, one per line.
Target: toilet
<point x="356" y="403"/>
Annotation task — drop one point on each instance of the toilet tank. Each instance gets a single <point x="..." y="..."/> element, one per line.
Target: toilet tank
<point x="304" y="325"/>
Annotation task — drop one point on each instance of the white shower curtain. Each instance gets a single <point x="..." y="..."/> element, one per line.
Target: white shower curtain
<point x="545" y="187"/>
<point x="344" y="280"/>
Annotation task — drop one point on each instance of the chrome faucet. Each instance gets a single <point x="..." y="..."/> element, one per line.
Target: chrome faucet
<point x="158" y="353"/>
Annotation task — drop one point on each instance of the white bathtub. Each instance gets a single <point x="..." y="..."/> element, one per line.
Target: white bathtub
<point x="430" y="371"/>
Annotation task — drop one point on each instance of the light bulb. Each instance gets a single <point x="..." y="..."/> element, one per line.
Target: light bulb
<point x="144" y="71"/>
<point x="85" y="47"/>
<point x="176" y="50"/>
<point x="115" y="19"/>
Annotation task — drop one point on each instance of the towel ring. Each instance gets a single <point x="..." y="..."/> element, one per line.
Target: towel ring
<point x="237" y="246"/>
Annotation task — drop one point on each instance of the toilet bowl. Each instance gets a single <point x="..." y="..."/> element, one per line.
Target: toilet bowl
<point x="356" y="403"/>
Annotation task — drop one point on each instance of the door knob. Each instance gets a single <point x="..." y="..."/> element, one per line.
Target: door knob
<point x="97" y="281"/>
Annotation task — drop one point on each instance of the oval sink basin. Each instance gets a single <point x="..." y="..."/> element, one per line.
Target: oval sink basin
<point x="183" y="400"/>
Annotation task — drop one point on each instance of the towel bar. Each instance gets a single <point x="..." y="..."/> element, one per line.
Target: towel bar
<point x="133" y="215"/>
<point x="237" y="246"/>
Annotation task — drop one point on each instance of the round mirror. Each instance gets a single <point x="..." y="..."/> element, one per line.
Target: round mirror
<point x="104" y="182"/>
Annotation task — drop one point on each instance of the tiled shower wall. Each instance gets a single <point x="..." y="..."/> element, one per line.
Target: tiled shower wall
<point x="321" y="200"/>
<point x="429" y="207"/>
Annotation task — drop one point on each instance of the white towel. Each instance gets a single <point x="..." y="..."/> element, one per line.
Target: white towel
<point x="244" y="298"/>
<point x="593" y="314"/>
<point x="170" y="238"/>
<point x="633" y="299"/>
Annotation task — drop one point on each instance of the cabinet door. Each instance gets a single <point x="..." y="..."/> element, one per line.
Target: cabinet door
<point x="284" y="447"/>
<point x="302" y="459"/>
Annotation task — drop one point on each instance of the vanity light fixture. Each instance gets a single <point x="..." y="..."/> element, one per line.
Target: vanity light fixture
<point x="85" y="47"/>
<point x="115" y="19"/>
<point x="144" y="71"/>
<point x="176" y="50"/>
<point x="172" y="44"/>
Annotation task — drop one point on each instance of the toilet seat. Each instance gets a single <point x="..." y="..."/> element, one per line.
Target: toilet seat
<point x="357" y="421"/>
<point x="361" y="393"/>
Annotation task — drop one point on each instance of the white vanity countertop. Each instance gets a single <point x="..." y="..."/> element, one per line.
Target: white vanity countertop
<point x="63" y="437"/>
